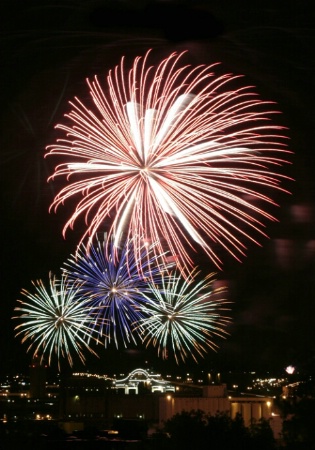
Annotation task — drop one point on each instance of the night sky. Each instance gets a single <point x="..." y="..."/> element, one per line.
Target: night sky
<point x="48" y="49"/>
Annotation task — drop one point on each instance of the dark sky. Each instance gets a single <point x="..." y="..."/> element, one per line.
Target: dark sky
<point x="47" y="51"/>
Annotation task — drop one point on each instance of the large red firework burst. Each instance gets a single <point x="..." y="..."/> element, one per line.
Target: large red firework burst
<point x="174" y="153"/>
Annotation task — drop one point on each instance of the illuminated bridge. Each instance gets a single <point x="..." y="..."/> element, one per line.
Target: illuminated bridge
<point x="154" y="382"/>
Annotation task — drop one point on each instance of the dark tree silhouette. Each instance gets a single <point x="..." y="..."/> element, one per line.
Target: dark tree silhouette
<point x="196" y="429"/>
<point x="299" y="429"/>
<point x="261" y="435"/>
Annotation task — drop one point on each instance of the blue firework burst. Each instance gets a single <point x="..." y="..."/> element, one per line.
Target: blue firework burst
<point x="112" y="283"/>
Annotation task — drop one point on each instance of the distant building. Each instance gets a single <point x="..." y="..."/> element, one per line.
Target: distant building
<point x="37" y="378"/>
<point x="215" y="399"/>
<point x="143" y="395"/>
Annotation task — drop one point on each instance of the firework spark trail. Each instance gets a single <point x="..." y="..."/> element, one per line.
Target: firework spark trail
<point x="174" y="154"/>
<point x="56" y="320"/>
<point x="183" y="316"/>
<point x="113" y="286"/>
